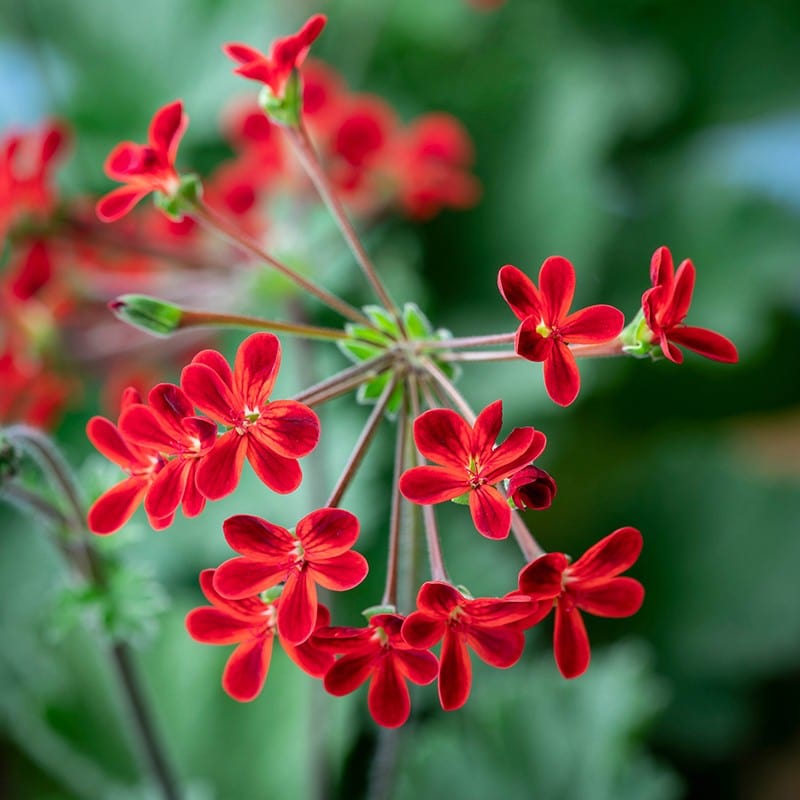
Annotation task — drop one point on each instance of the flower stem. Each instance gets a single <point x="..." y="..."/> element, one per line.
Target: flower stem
<point x="390" y="589"/>
<point x="343" y="381"/>
<point x="206" y="319"/>
<point x="530" y="548"/>
<point x="468" y="341"/>
<point x="479" y="355"/>
<point x="602" y="350"/>
<point x="217" y="222"/>
<point x="304" y="148"/>
<point x="363" y="443"/>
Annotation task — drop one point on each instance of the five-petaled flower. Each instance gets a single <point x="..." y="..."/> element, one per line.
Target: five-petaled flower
<point x="469" y="463"/>
<point x="380" y="653"/>
<point x="250" y="624"/>
<point x="284" y="57"/>
<point x="590" y="584"/>
<point x="145" y="168"/>
<point x="547" y="328"/>
<point x="665" y="306"/>
<point x="169" y="427"/>
<point x="485" y="624"/>
<point x="317" y="553"/>
<point x="271" y="434"/>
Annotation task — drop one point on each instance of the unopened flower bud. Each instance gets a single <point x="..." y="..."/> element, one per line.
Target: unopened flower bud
<point x="532" y="487"/>
<point x="149" y="314"/>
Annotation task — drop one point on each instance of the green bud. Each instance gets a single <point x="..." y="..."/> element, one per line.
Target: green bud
<point x="149" y="314"/>
<point x="284" y="110"/>
<point x="369" y="613"/>
<point x="637" y="338"/>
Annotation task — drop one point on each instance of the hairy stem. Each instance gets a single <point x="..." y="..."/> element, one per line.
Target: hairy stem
<point x="468" y="341"/>
<point x="211" y="319"/>
<point x="344" y="381"/>
<point x="390" y="589"/>
<point x="479" y="355"/>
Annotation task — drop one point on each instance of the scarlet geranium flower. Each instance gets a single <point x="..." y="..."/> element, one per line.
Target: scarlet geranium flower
<point x="285" y="55"/>
<point x="378" y="653"/>
<point x="116" y="506"/>
<point x="271" y="434"/>
<point x="591" y="584"/>
<point x="484" y="624"/>
<point x="317" y="553"/>
<point x="665" y="306"/>
<point x="145" y="168"/>
<point x="532" y="487"/>
<point x="469" y="463"/>
<point x="250" y="623"/>
<point x="169" y="427"/>
<point x="547" y="326"/>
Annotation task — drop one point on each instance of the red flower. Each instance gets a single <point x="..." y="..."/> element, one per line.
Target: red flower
<point x="665" y="307"/>
<point x="272" y="435"/>
<point x="547" y="326"/>
<point x="249" y="623"/>
<point x="380" y="653"/>
<point x="114" y="508"/>
<point x="284" y="57"/>
<point x="470" y="463"/>
<point x="484" y="624"/>
<point x="590" y="584"/>
<point x="169" y="427"/>
<point x="318" y="553"/>
<point x="532" y="487"/>
<point x="145" y="168"/>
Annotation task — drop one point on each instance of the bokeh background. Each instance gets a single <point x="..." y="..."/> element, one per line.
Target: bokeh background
<point x="602" y="130"/>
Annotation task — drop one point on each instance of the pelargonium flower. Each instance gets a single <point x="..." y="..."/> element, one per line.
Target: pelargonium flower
<point x="548" y="328"/>
<point x="284" y="57"/>
<point x="250" y="624"/>
<point x="272" y="435"/>
<point x="484" y="624"/>
<point x="665" y="306"/>
<point x="469" y="464"/>
<point x="145" y="168"/>
<point x="317" y="553"/>
<point x="590" y="584"/>
<point x="378" y="653"/>
<point x="170" y="427"/>
<point x="116" y="506"/>
<point x="532" y="488"/>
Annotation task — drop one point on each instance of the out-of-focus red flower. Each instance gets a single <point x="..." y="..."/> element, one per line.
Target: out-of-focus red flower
<point x="469" y="463"/>
<point x="250" y="624"/>
<point x="590" y="584"/>
<point x="665" y="306"/>
<point x="116" y="506"/>
<point x="378" y="653"/>
<point x="323" y="93"/>
<point x="170" y="427"/>
<point x="284" y="57"/>
<point x="484" y="624"/>
<point x="145" y="168"/>
<point x="272" y="435"/>
<point x="319" y="552"/>
<point x="548" y="328"/>
<point x="532" y="487"/>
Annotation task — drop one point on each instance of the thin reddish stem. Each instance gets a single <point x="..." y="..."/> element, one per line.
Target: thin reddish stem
<point x="468" y="341"/>
<point x="345" y="380"/>
<point x="211" y="319"/>
<point x="479" y="355"/>
<point x="602" y="350"/>
<point x="395" y="518"/>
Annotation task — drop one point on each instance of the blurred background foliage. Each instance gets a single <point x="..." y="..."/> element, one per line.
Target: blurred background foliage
<point x="602" y="131"/>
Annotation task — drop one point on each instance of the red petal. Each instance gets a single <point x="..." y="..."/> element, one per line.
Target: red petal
<point x="220" y="468"/>
<point x="258" y="539"/>
<point x="423" y="631"/>
<point x="541" y="579"/>
<point x="490" y="512"/>
<point x="140" y="425"/>
<point x="297" y="610"/>
<point x="661" y="270"/>
<point x="617" y="597"/>
<point x="258" y="360"/>
<point x="341" y="572"/>
<point x="247" y="669"/>
<point x="455" y="672"/>
<point x="488" y="612"/>
<point x="593" y="325"/>
<point x="388" y="699"/>
<point x="669" y="350"/>
<point x="166" y="130"/>
<point x="312" y="29"/>
<point x="609" y="557"/>
<point x="214" y="626"/>
<point x="114" y="508"/>
<point x="118" y="203"/>
<point x="706" y="343"/>
<point x="428" y="485"/>
<point x="242" y="53"/>
<point x="124" y="161"/>
<point x="217" y="362"/>
<point x="419" y="666"/>
<point x="172" y="405"/>
<point x="288" y="428"/>
<point x="561" y="377"/>
<point x="167" y="488"/>
<point x="681" y="298"/>
<point x="520" y="448"/>
<point x="192" y="501"/>
<point x="438" y="598"/>
<point x="530" y="344"/>
<point x="349" y="672"/>
<point x="282" y="475"/>
<point x="570" y="642"/>
<point x="241" y="577"/>
<point x="443" y="437"/>
<point x="500" y="647"/>
<point x="520" y="293"/>
<point x="259" y="71"/>
<point x="310" y="658"/>
<point x="327" y="532"/>
<point x="103" y="434"/>
<point x="486" y="430"/>
<point x="557" y="288"/>
<point x="210" y="394"/>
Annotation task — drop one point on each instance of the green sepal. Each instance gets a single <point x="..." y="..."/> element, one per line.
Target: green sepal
<point x="637" y="338"/>
<point x="150" y="314"/>
<point x="284" y="110"/>
<point x="369" y="613"/>
<point x="272" y="594"/>
<point x="369" y="392"/>
<point x="183" y="200"/>
<point x="462" y="499"/>
<point x="417" y="324"/>
<point x="383" y="319"/>
<point x="466" y="592"/>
